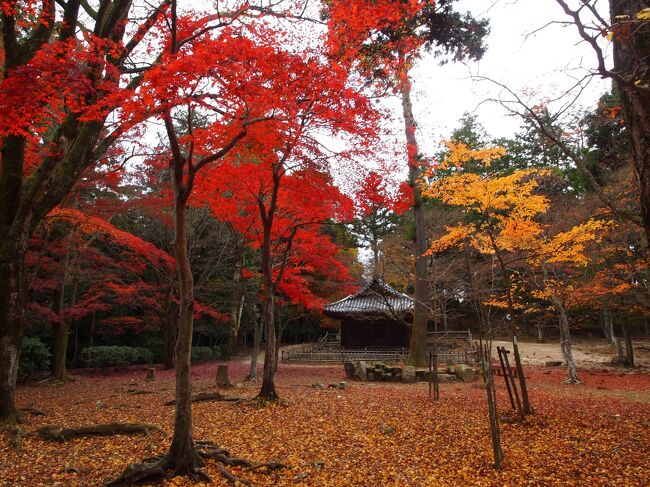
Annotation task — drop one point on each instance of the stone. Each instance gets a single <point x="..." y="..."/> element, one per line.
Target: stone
<point x="553" y="363"/>
<point x="465" y="373"/>
<point x="370" y="375"/>
<point x="343" y="385"/>
<point x="318" y="385"/>
<point x="350" y="369"/>
<point x="446" y="378"/>
<point x="388" y="429"/>
<point x="151" y="374"/>
<point x="361" y="370"/>
<point x="408" y="374"/>
<point x="101" y="405"/>
<point x="379" y="374"/>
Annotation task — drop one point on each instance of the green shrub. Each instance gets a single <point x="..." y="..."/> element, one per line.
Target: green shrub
<point x="115" y="356"/>
<point x="155" y="344"/>
<point x="143" y="356"/>
<point x="34" y="357"/>
<point x="202" y="354"/>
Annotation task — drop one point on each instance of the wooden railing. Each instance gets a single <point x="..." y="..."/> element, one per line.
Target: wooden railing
<point x="385" y="355"/>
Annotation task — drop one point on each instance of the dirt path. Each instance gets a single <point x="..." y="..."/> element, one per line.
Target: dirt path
<point x="588" y="354"/>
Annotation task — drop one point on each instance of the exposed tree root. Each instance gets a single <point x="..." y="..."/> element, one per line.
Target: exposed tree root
<point x="58" y="381"/>
<point x="210" y="396"/>
<point x="572" y="380"/>
<point x="150" y="469"/>
<point x="157" y="468"/>
<point x="139" y="392"/>
<point x="18" y="433"/>
<point x="33" y="411"/>
<point x="57" y="433"/>
<point x="10" y="422"/>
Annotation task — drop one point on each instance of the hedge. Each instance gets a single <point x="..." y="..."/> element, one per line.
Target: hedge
<point x="115" y="356"/>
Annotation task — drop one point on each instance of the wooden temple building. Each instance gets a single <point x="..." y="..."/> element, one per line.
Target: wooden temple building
<point x="375" y="317"/>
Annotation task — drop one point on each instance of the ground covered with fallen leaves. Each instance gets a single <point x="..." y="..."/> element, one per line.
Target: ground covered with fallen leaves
<point x="368" y="434"/>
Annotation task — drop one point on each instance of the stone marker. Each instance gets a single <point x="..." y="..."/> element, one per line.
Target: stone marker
<point x="151" y="374"/>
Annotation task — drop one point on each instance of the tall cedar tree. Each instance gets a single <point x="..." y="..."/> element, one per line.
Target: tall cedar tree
<point x="383" y="39"/>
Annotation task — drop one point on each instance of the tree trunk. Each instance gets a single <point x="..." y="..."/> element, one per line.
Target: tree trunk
<point x="632" y="62"/>
<point x="565" y="342"/>
<point x="268" y="391"/>
<point x="92" y="330"/>
<point x="237" y="306"/>
<point x="169" y="331"/>
<point x="61" y="330"/>
<point x="417" y="349"/>
<point x="12" y="314"/>
<point x="540" y="333"/>
<point x="257" y="339"/>
<point x="233" y="335"/>
<point x="182" y="452"/>
<point x="629" y="349"/>
<point x="514" y="328"/>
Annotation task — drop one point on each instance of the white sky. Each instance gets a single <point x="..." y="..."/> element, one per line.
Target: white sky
<point x="545" y="63"/>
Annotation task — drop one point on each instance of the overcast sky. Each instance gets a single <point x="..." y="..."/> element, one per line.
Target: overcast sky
<point x="545" y="63"/>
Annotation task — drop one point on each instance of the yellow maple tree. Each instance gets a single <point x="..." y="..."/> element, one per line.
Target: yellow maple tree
<point x="502" y="215"/>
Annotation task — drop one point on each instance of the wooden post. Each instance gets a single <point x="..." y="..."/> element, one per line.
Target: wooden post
<point x="505" y="376"/>
<point x="430" y="373"/>
<point x="222" y="376"/>
<point x="508" y="371"/>
<point x="522" y="377"/>
<point x="151" y="374"/>
<point x="436" y="387"/>
<point x="493" y="418"/>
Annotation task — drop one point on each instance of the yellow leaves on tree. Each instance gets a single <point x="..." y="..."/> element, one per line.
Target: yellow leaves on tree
<point x="570" y="246"/>
<point x="458" y="154"/>
<point x="501" y="214"/>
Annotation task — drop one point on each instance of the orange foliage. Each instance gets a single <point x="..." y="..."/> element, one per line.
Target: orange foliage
<point x="368" y="435"/>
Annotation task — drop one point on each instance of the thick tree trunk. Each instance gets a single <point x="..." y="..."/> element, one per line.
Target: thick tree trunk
<point x="565" y="342"/>
<point x="631" y="61"/>
<point x="417" y="349"/>
<point x="12" y="309"/>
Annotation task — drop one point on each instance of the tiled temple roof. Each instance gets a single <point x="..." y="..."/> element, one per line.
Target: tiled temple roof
<point x="374" y="298"/>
